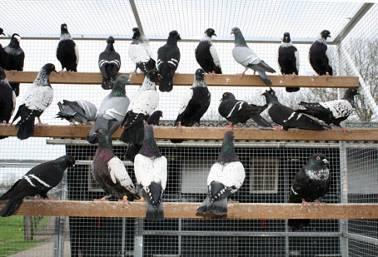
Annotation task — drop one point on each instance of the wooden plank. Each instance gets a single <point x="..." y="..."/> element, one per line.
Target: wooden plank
<point x="187" y="79"/>
<point x="211" y="133"/>
<point x="175" y="210"/>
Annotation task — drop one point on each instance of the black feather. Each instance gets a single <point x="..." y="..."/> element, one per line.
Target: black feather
<point x="153" y="196"/>
<point x="133" y="128"/>
<point x="25" y="127"/>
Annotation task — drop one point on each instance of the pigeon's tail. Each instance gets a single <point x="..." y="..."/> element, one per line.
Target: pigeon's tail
<point x="132" y="151"/>
<point x="217" y="70"/>
<point x="292" y="89"/>
<point x="166" y="83"/>
<point x="155" y="210"/>
<point x="264" y="66"/>
<point x="260" y="121"/>
<point x="202" y="210"/>
<point x="11" y="207"/>
<point x="218" y="208"/>
<point x="302" y="121"/>
<point x="265" y="78"/>
<point x="63" y="114"/>
<point x="26" y="124"/>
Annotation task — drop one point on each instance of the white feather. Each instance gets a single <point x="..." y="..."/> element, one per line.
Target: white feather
<point x="339" y="108"/>
<point x="38" y="97"/>
<point x="214" y="54"/>
<point x="185" y="99"/>
<point x="139" y="52"/>
<point x="77" y="53"/>
<point x="329" y="55"/>
<point x="230" y="174"/>
<point x="149" y="170"/>
<point x="296" y="54"/>
<point x="146" y="99"/>
<point x="245" y="55"/>
<point x="118" y="173"/>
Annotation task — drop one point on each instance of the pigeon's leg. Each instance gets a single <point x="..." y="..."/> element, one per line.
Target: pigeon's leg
<point x="178" y="124"/>
<point x="245" y="70"/>
<point x="39" y="122"/>
<point x="104" y="198"/>
<point x="125" y="200"/>
<point x="277" y="127"/>
<point x="304" y="203"/>
<point x="230" y="125"/>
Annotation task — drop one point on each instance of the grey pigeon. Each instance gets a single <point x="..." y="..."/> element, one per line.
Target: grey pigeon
<point x="80" y="111"/>
<point x="113" y="109"/>
<point x="109" y="62"/>
<point x="248" y="58"/>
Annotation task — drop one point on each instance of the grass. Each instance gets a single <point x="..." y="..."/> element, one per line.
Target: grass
<point x="12" y="236"/>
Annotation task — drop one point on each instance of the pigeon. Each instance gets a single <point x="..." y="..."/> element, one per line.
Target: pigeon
<point x="67" y="51"/>
<point x="150" y="168"/>
<point x="168" y="61"/>
<point x="110" y="172"/>
<point x="288" y="59"/>
<point x="195" y="102"/>
<point x="7" y="98"/>
<point x="239" y="111"/>
<point x="287" y="117"/>
<point x="140" y="52"/>
<point x="310" y="183"/>
<point x="226" y="176"/>
<point x="37" y="99"/>
<point x="15" y="57"/>
<point x="206" y="54"/>
<point x="113" y="109"/>
<point x="80" y="111"/>
<point x="38" y="181"/>
<point x="332" y="112"/>
<point x="142" y="105"/>
<point x="109" y="63"/>
<point x="248" y="58"/>
<point x="320" y="55"/>
<point x="3" y="54"/>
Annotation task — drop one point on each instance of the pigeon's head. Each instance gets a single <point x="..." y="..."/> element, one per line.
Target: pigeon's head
<point x="16" y="38"/>
<point x="235" y="30"/>
<point x="286" y="37"/>
<point x="136" y="33"/>
<point x="2" y="74"/>
<point x="174" y="35"/>
<point x="210" y="32"/>
<point x="153" y="75"/>
<point x="48" y="68"/>
<point x="121" y="81"/>
<point x="110" y="40"/>
<point x="227" y="96"/>
<point x="2" y="31"/>
<point x="70" y="160"/>
<point x="319" y="160"/>
<point x="270" y="96"/>
<point x="200" y="74"/>
<point x="325" y="34"/>
<point x="63" y="28"/>
<point x="227" y="153"/>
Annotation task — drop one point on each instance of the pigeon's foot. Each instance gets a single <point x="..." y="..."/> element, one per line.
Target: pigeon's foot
<point x="178" y="124"/>
<point x="104" y="198"/>
<point x="230" y="126"/>
<point x="305" y="203"/>
<point x="125" y="200"/>
<point x="344" y="130"/>
<point x="278" y="127"/>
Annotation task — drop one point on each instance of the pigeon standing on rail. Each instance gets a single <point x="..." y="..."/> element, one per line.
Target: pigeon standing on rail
<point x="226" y="176"/>
<point x="310" y="183"/>
<point x="67" y="51"/>
<point x="109" y="63"/>
<point x="15" y="57"/>
<point x="320" y="57"/>
<point x="206" y="54"/>
<point x="239" y="111"/>
<point x="150" y="168"/>
<point x="113" y="109"/>
<point x="248" y="58"/>
<point x="168" y="61"/>
<point x="140" y="52"/>
<point x="3" y="54"/>
<point x="38" y="181"/>
<point x="80" y="111"/>
<point x="288" y="59"/>
<point x="37" y="99"/>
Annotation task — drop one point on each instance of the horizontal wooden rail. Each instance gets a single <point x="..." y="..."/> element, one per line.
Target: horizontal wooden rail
<point x="187" y="79"/>
<point x="173" y="210"/>
<point x="211" y="133"/>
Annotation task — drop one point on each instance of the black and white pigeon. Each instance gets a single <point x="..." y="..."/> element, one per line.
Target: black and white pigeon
<point x="15" y="57"/>
<point x="38" y="181"/>
<point x="226" y="176"/>
<point x="286" y="116"/>
<point x="109" y="63"/>
<point x="67" y="51"/>
<point x="3" y="54"/>
<point x="239" y="111"/>
<point x="80" y="111"/>
<point x="140" y="52"/>
<point x="206" y="54"/>
<point x="248" y="58"/>
<point x="37" y="99"/>
<point x="320" y="57"/>
<point x="332" y="112"/>
<point x="168" y="61"/>
<point x="288" y="59"/>
<point x="112" y="110"/>
<point x="150" y="168"/>
<point x="110" y="172"/>
<point x="7" y="98"/>
<point x="142" y="105"/>
<point x="195" y="102"/>
<point x="310" y="183"/>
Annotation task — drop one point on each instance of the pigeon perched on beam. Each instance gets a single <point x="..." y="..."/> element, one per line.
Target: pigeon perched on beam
<point x="109" y="63"/>
<point x="140" y="52"/>
<point x="3" y="54"/>
<point x="113" y="109"/>
<point x="225" y="178"/>
<point x="15" y="57"/>
<point x="142" y="105"/>
<point x="206" y="54"/>
<point x="332" y="112"/>
<point x="38" y="181"/>
<point x="320" y="57"/>
<point x="248" y="58"/>
<point x="110" y="172"/>
<point x="80" y="111"/>
<point x="239" y="111"/>
<point x="37" y="99"/>
<point x="168" y="61"/>
<point x="310" y="183"/>
<point x="288" y="59"/>
<point x="286" y="116"/>
<point x="67" y="51"/>
<point x="7" y="99"/>
<point x="150" y="168"/>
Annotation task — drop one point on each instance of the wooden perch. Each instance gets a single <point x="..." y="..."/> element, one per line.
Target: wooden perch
<point x="187" y="79"/>
<point x="173" y="210"/>
<point x="211" y="133"/>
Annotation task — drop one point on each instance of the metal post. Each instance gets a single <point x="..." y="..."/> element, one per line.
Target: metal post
<point x="138" y="238"/>
<point x="123" y="244"/>
<point x="343" y="224"/>
<point x="60" y="222"/>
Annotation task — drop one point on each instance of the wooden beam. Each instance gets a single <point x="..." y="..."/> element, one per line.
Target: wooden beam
<point x="187" y="79"/>
<point x="173" y="210"/>
<point x="211" y="133"/>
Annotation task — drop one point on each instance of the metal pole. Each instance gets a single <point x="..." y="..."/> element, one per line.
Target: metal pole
<point x="138" y="238"/>
<point x="60" y="222"/>
<point x="343" y="224"/>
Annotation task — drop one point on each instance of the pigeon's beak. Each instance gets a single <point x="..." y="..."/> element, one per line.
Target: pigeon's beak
<point x="232" y="33"/>
<point x="215" y="34"/>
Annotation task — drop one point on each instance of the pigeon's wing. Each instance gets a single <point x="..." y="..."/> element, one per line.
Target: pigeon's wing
<point x="39" y="98"/>
<point x="329" y="55"/>
<point x="245" y="55"/>
<point x="118" y="174"/>
<point x="114" y="107"/>
<point x="76" y="53"/>
<point x="137" y="53"/>
<point x="142" y="168"/>
<point x="186" y="97"/>
<point x="145" y="102"/>
<point x="296" y="54"/>
<point x="234" y="175"/>
<point x="89" y="108"/>
<point x="160" y="171"/>
<point x="214" y="54"/>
